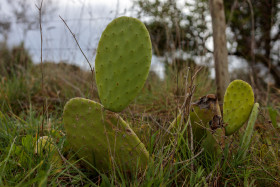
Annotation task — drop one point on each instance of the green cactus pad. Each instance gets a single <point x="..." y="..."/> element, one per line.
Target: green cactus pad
<point x="122" y="62"/>
<point x="238" y="103"/>
<point x="102" y="137"/>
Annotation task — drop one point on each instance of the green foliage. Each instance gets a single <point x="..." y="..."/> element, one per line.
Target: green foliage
<point x="15" y="65"/>
<point x="122" y="62"/>
<point x="170" y="26"/>
<point x="15" y="92"/>
<point x="238" y="103"/>
<point x="273" y="117"/>
<point x="212" y="144"/>
<point x="19" y="163"/>
<point x="263" y="17"/>
<point x="14" y="61"/>
<point x="176" y="123"/>
<point x="45" y="145"/>
<point x="246" y="139"/>
<point x="172" y="162"/>
<point x="102" y="137"/>
<point x="183" y="27"/>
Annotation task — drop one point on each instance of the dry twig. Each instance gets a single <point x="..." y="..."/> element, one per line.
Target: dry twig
<point x="186" y="109"/>
<point x="91" y="69"/>
<point x="42" y="73"/>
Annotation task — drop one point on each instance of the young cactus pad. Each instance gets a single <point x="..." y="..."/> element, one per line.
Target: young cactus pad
<point x="122" y="62"/>
<point x="102" y="137"/>
<point x="238" y="103"/>
<point x="246" y="139"/>
<point x="45" y="145"/>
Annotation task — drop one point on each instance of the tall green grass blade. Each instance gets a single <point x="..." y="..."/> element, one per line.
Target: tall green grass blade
<point x="246" y="139"/>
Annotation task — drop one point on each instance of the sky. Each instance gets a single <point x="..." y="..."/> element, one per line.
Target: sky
<point x="86" y="18"/>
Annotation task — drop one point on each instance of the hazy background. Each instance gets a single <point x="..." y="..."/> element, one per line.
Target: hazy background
<point x="87" y="19"/>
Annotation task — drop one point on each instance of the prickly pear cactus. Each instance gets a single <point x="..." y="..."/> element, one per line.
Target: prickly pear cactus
<point x="102" y="137"/>
<point x="238" y="103"/>
<point x="122" y="62"/>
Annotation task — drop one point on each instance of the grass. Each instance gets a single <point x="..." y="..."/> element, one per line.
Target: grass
<point x="56" y="164"/>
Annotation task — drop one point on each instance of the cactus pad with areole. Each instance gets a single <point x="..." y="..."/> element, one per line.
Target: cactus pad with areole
<point x="122" y="62"/>
<point x="238" y="103"/>
<point x="102" y="137"/>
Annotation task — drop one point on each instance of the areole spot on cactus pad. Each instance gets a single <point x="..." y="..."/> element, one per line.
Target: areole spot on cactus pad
<point x="102" y="137"/>
<point x="238" y="103"/>
<point x="122" y="62"/>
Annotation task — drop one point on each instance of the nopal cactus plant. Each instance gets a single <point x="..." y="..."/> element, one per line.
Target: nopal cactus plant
<point x="210" y="128"/>
<point x="238" y="107"/>
<point x="122" y="63"/>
